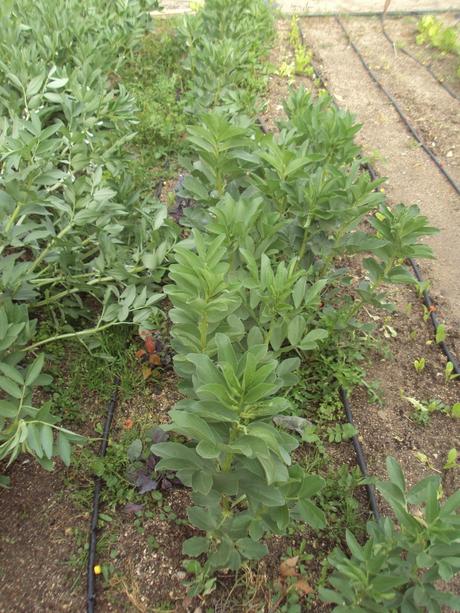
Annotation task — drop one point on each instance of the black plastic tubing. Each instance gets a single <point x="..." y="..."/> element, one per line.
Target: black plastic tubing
<point x="360" y="457"/>
<point x="417" y="61"/>
<point x="91" y="587"/>
<point x="399" y="110"/>
<point x="428" y="302"/>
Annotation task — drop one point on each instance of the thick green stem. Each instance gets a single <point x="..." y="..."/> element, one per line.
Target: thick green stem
<point x="203" y="327"/>
<point x="45" y="251"/>
<point x="13" y="217"/>
<point x="75" y="290"/>
<point x="79" y="334"/>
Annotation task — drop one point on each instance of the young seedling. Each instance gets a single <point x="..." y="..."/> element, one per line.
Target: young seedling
<point x="452" y="460"/>
<point x="441" y="333"/>
<point x="419" y="364"/>
<point x="449" y="374"/>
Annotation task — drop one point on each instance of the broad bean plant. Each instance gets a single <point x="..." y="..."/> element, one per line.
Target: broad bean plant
<point x="259" y="283"/>
<point x="80" y="249"/>
<point x="401" y="563"/>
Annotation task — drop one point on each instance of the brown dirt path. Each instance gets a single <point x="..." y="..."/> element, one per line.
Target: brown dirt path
<point x="404" y="32"/>
<point x="432" y="111"/>
<point x="412" y="177"/>
<point x="345" y="6"/>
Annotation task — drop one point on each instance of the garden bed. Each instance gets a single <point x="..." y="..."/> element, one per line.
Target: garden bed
<point x="140" y="547"/>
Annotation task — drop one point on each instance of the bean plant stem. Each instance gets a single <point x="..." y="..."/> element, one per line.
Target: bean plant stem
<point x="81" y="333"/>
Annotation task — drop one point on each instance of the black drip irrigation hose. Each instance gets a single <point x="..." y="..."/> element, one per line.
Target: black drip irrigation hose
<point x="361" y="459"/>
<point x="415" y="59"/>
<point x="398" y="109"/>
<point x="91" y="587"/>
<point x="428" y="303"/>
<point x="413" y="13"/>
<point x="434" y="319"/>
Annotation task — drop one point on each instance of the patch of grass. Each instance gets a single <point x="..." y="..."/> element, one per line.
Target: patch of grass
<point x="78" y="373"/>
<point x="155" y="78"/>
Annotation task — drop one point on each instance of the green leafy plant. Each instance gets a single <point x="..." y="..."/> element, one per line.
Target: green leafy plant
<point x="340" y="432"/>
<point x="399" y="565"/>
<point x="224" y="55"/>
<point x="441" y="333"/>
<point x="302" y="56"/>
<point x="432" y="31"/>
<point x="451" y="460"/>
<point x="240" y="307"/>
<point x="423" y="410"/>
<point x="449" y="374"/>
<point x="81" y="251"/>
<point x="419" y="364"/>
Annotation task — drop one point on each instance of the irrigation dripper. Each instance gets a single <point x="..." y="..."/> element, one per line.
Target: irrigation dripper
<point x="399" y="110"/>
<point x="91" y="588"/>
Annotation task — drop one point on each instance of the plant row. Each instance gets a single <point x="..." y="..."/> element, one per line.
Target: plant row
<point x="81" y="251"/>
<point x="260" y="285"/>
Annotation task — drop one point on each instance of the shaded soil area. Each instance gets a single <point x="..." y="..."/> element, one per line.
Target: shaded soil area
<point x="39" y="541"/>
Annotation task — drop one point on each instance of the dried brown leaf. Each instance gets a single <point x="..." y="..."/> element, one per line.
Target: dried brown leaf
<point x="288" y="568"/>
<point x="302" y="587"/>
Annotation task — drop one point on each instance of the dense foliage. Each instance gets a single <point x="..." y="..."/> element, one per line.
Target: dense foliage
<point x="398" y="567"/>
<point x="259" y="284"/>
<point x="224" y="43"/>
<point x="79" y="246"/>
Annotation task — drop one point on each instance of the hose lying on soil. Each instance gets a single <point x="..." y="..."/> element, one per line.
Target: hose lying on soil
<point x="427" y="301"/>
<point x="399" y="110"/>
<point x="434" y="318"/>
<point x="373" y="174"/>
<point x="360" y="457"/>
<point x="91" y="590"/>
<point x="395" y="13"/>
<point x="415" y="59"/>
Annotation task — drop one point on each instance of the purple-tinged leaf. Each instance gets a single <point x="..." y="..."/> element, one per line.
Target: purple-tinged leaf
<point x="151" y="462"/>
<point x="165" y="484"/>
<point x="159" y="436"/>
<point x="145" y="484"/>
<point x="132" y="507"/>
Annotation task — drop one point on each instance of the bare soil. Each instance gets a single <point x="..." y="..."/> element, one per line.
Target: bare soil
<point x="38" y="537"/>
<point x="432" y="111"/>
<point x="343" y="6"/>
